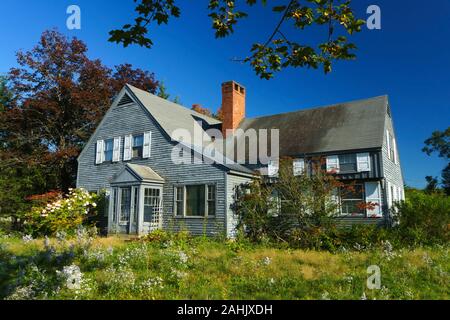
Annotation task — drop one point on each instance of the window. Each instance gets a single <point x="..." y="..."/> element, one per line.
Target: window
<point x="211" y="200"/>
<point x="179" y="201"/>
<point x="138" y="145"/>
<point x="109" y="147"/>
<point x="114" y="204"/>
<point x="392" y="147"/>
<point x="136" y="204"/>
<point x="151" y="203"/>
<point x="125" y="205"/>
<point x="195" y="201"/>
<point x="351" y="198"/>
<point x="347" y="163"/>
<point x="299" y="166"/>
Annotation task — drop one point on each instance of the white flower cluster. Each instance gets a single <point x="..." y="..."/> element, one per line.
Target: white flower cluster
<point x="153" y="283"/>
<point x="72" y="276"/>
<point x="72" y="201"/>
<point x="266" y="261"/>
<point x="27" y="238"/>
<point x="183" y="257"/>
<point x="388" y="250"/>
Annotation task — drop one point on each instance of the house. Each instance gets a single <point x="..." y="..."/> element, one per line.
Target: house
<point x="134" y="154"/>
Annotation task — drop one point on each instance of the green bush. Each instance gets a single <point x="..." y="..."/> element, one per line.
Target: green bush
<point x="423" y="219"/>
<point x="62" y="215"/>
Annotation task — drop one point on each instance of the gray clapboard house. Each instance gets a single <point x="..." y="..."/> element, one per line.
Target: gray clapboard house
<point x="130" y="155"/>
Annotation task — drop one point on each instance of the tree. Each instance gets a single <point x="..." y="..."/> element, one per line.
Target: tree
<point x="279" y="51"/>
<point x="432" y="184"/>
<point x="162" y="91"/>
<point x="198" y="108"/>
<point x="439" y="143"/>
<point x="59" y="97"/>
<point x="294" y="208"/>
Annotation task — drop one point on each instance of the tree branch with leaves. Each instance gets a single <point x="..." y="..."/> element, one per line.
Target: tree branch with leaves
<point x="278" y="51"/>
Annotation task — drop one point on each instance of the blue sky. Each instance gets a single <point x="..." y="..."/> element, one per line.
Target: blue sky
<point x="408" y="59"/>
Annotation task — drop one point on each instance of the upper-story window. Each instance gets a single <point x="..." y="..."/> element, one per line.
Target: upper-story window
<point x="347" y="162"/>
<point x="109" y="148"/>
<point x="138" y="146"/>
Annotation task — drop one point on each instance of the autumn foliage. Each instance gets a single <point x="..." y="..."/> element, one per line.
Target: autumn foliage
<point x="59" y="95"/>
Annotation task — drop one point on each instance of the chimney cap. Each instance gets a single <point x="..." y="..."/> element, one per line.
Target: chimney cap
<point x="234" y="85"/>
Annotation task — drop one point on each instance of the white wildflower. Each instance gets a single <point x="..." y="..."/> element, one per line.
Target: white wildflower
<point x="266" y="261"/>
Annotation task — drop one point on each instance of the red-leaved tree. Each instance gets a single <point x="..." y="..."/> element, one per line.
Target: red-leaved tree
<point x="59" y="97"/>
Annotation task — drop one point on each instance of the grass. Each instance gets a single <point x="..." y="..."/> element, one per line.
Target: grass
<point x="112" y="268"/>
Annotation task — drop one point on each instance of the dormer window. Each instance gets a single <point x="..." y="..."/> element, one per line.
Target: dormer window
<point x="138" y="146"/>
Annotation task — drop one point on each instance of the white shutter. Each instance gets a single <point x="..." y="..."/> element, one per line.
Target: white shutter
<point x="99" y="152"/>
<point x="389" y="194"/>
<point x="147" y="144"/>
<point x="127" y="148"/>
<point x="116" y="150"/>
<point x="333" y="163"/>
<point x="272" y="168"/>
<point x="373" y="195"/>
<point x="388" y="144"/>
<point x="363" y="162"/>
<point x="299" y="166"/>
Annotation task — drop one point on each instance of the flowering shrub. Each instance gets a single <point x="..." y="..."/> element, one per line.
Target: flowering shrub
<point x="64" y="215"/>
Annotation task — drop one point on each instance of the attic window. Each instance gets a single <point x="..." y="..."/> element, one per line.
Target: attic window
<point x="125" y="100"/>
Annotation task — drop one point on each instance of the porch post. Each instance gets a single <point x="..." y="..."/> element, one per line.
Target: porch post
<point x="140" y="221"/>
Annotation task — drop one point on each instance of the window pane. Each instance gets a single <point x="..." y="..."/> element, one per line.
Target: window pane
<point x="151" y="203"/>
<point x="211" y="200"/>
<point x="109" y="146"/>
<point x="195" y="200"/>
<point x="179" y="201"/>
<point x="138" y="141"/>
<point x="347" y="162"/>
<point x="352" y="196"/>
<point x="125" y="204"/>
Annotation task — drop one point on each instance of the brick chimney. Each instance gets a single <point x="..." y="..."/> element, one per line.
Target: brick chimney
<point x="233" y="105"/>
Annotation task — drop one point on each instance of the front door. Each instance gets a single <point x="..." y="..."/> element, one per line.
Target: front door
<point x="152" y="209"/>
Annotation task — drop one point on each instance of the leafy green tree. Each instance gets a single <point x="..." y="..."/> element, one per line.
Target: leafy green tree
<point x="279" y="51"/>
<point x="439" y="143"/>
<point x="162" y="91"/>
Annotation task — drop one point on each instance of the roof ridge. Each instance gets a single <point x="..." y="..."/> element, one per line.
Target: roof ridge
<point x="184" y="108"/>
<point x="385" y="96"/>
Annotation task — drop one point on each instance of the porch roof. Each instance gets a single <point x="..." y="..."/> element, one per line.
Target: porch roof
<point x="137" y="173"/>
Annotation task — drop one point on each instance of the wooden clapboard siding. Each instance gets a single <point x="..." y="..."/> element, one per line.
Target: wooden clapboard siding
<point x="133" y="119"/>
<point x="392" y="172"/>
<point x="232" y="182"/>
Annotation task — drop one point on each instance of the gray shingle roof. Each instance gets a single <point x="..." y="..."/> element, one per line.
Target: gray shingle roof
<point x="171" y="116"/>
<point x="344" y="126"/>
<point x="145" y="173"/>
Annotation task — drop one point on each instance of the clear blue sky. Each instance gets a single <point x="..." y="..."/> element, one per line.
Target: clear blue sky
<point x="409" y="59"/>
